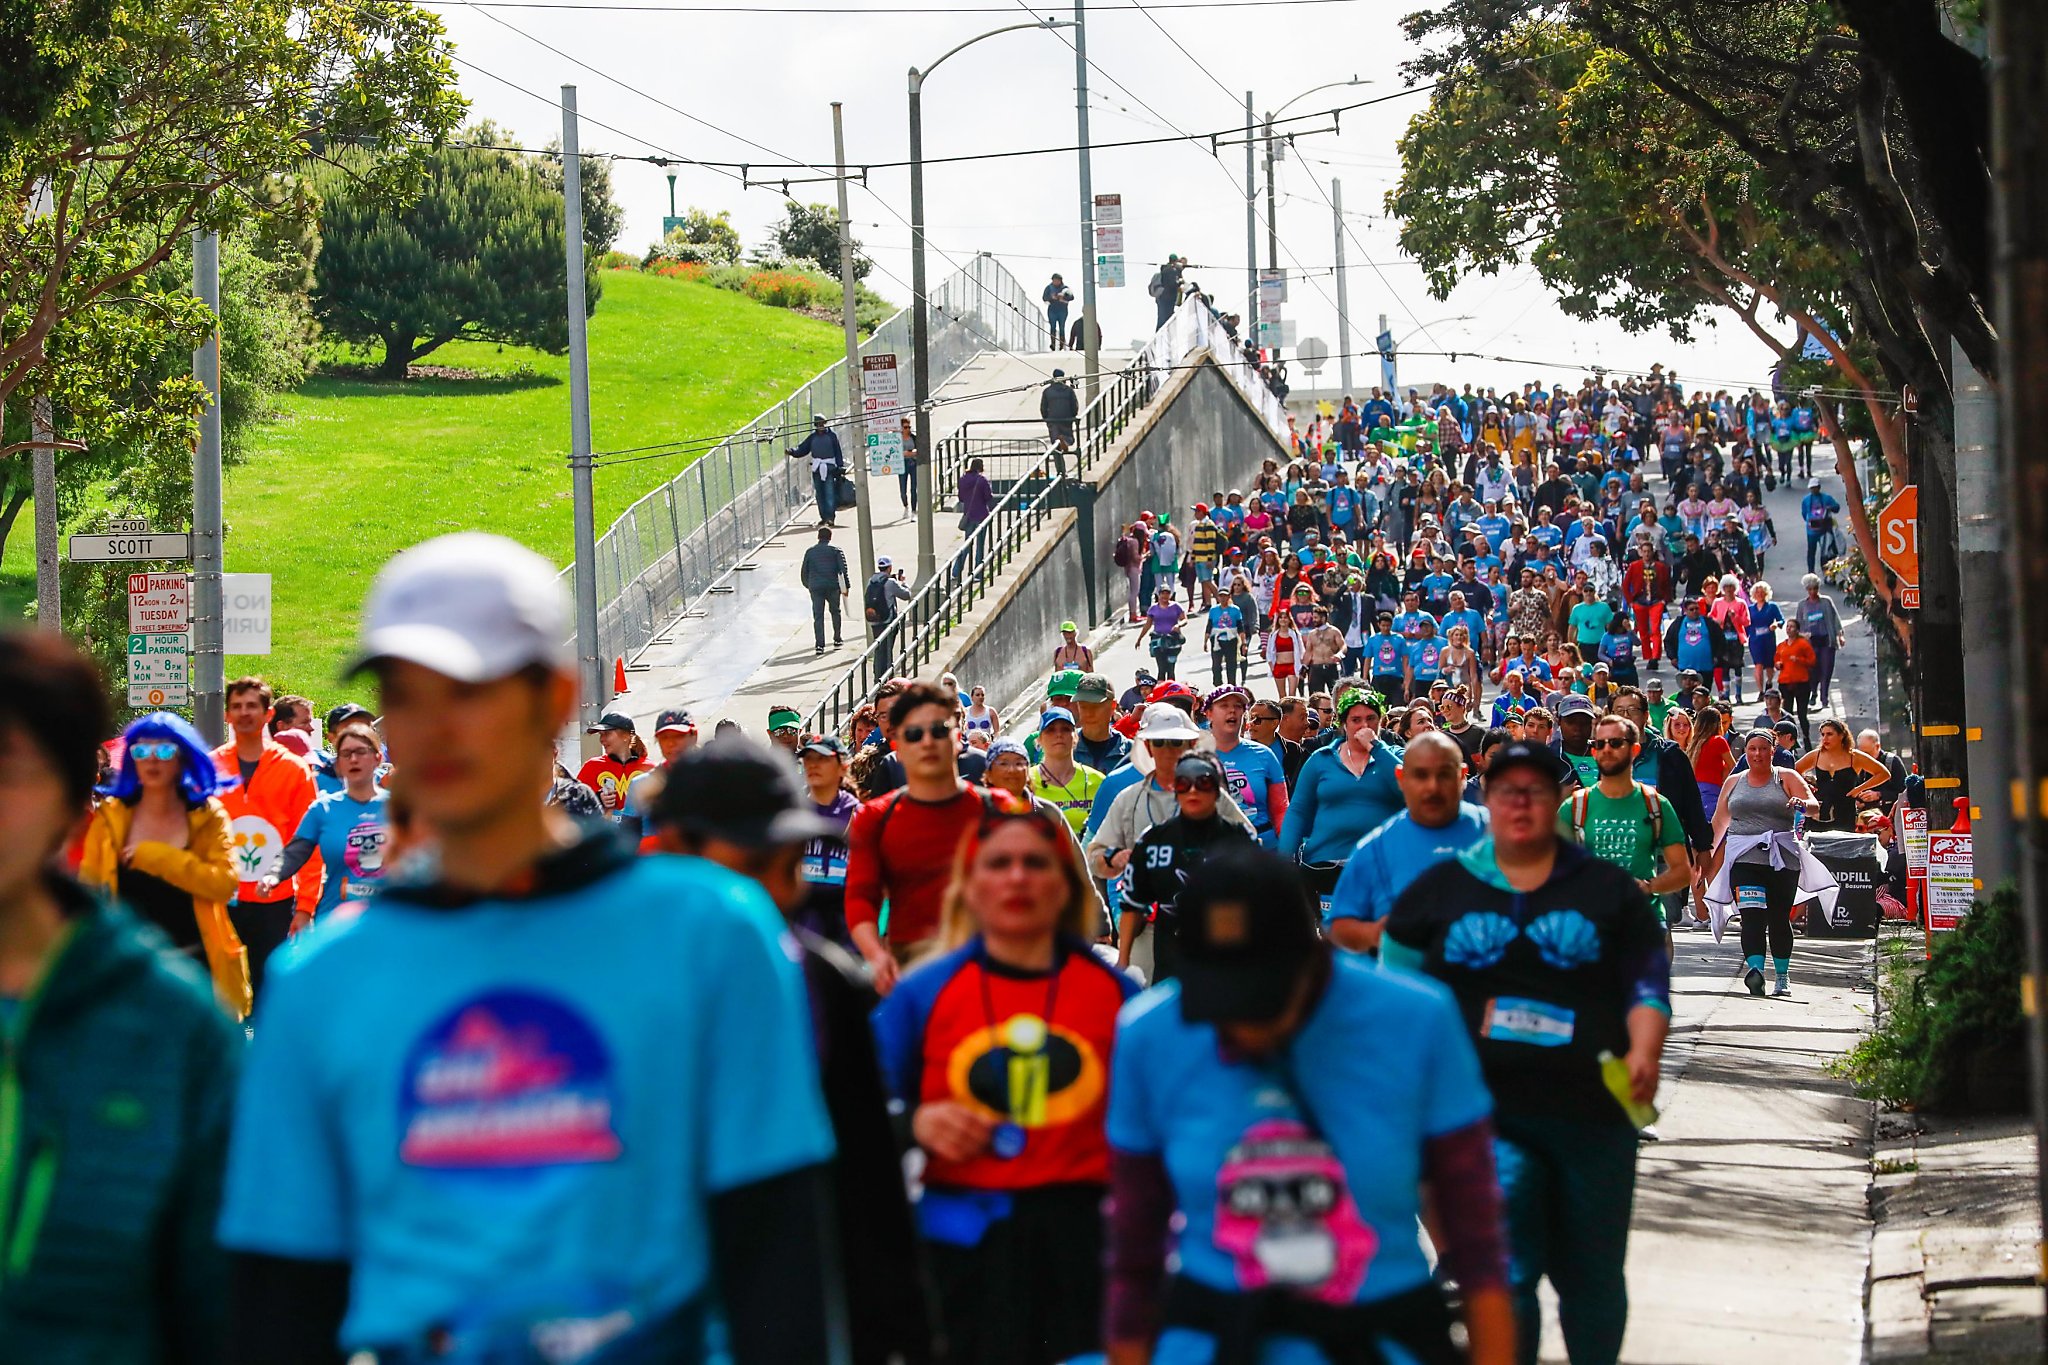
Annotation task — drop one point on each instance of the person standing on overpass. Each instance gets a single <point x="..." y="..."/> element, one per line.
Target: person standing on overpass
<point x="823" y="572"/>
<point x="828" y="467"/>
<point x="1056" y="296"/>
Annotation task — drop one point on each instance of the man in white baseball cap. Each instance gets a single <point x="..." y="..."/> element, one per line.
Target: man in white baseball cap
<point x="598" y="1123"/>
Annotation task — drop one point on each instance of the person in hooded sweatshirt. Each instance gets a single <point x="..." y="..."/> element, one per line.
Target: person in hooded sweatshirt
<point x="118" y="1068"/>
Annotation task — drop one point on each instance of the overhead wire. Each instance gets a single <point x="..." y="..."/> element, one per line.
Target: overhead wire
<point x="742" y="179"/>
<point x="627" y="7"/>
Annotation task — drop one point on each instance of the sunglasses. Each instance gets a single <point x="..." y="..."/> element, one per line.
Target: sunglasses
<point x="163" y="749"/>
<point x="1183" y="785"/>
<point x="1169" y="743"/>
<point x="1616" y="742"/>
<point x="916" y="734"/>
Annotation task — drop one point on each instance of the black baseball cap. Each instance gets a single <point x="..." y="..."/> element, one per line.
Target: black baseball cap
<point x="613" y="720"/>
<point x="344" y="713"/>
<point x="830" y="745"/>
<point x="1522" y="753"/>
<point x="1246" y="926"/>
<point x="739" y="791"/>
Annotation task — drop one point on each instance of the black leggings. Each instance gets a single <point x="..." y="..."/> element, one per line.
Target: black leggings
<point x="1223" y="662"/>
<point x="1799" y="701"/>
<point x="1780" y="886"/>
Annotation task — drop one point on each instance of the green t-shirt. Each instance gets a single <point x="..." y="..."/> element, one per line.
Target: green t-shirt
<point x="1586" y="766"/>
<point x="1589" y="623"/>
<point x="1619" y="830"/>
<point x="1659" y="710"/>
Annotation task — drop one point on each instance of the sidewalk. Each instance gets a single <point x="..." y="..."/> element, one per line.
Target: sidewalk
<point x="1750" y="1231"/>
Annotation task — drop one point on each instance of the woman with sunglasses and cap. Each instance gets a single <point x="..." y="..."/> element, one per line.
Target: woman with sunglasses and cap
<point x="1000" y="1048"/>
<point x="1166" y="853"/>
<point x="159" y="841"/>
<point x="1289" y="1160"/>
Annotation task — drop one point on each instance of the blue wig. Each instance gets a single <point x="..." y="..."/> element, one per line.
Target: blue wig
<point x="199" y="779"/>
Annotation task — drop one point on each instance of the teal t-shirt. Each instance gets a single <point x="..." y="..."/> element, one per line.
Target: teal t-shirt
<point x="531" y="1105"/>
<point x="351" y="835"/>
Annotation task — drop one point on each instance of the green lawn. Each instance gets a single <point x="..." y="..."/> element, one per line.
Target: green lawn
<point x="357" y="469"/>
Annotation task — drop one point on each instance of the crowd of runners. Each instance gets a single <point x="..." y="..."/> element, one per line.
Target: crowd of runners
<point x="1311" y="1014"/>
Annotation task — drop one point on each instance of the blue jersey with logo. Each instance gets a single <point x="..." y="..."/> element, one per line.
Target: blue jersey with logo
<point x="350" y="835"/>
<point x="1395" y="854"/>
<point x="531" y="1104"/>
<point x="1384" y="654"/>
<point x="1423" y="657"/>
<point x="1332" y="1130"/>
<point x="1696" y="644"/>
<point x="1496" y="528"/>
<point x="1342" y="503"/>
<point x="1547" y="534"/>
<point x="1250" y="771"/>
<point x="1408" y="624"/>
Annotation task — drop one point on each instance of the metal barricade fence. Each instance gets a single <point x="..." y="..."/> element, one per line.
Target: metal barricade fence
<point x="672" y="545"/>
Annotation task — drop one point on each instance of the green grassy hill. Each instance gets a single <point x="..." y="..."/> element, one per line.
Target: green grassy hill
<point x="356" y="469"/>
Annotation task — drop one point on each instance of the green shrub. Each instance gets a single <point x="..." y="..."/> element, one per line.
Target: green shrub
<point x="1941" y="1018"/>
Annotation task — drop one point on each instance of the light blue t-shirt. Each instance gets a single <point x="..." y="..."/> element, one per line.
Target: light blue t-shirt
<point x="1388" y="859"/>
<point x="1328" y="1115"/>
<point x="1424" y="656"/>
<point x="351" y="835"/>
<point x="530" y="1104"/>
<point x="1385" y="654"/>
<point x="1250" y="770"/>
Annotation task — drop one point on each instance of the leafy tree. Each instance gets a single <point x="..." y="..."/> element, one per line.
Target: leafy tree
<point x="477" y="256"/>
<point x="603" y="217"/>
<point x="811" y="232"/>
<point x="40" y="46"/>
<point x="176" y="115"/>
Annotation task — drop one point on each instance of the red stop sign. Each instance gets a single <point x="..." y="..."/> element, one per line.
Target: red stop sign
<point x="1898" y="535"/>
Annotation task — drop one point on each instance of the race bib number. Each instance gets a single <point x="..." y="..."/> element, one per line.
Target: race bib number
<point x="1750" y="899"/>
<point x="1536" y="1022"/>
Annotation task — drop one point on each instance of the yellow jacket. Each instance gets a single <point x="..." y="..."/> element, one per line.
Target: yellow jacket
<point x="201" y="868"/>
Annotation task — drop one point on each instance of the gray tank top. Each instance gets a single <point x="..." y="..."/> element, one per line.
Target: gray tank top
<point x="1756" y="810"/>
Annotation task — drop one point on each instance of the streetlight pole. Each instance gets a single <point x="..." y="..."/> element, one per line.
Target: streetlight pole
<point x="209" y="663"/>
<point x="857" y="423"/>
<point x="920" y="305"/>
<point x="1393" y="365"/>
<point x="592" y="685"/>
<point x="1343" y="290"/>
<point x="1272" y="224"/>
<point x="1091" y="349"/>
<point x="1251" y="216"/>
<point x="1273" y="214"/>
<point x="671" y="191"/>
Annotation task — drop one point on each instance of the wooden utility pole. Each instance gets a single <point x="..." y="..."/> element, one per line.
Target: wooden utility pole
<point x="2019" y="169"/>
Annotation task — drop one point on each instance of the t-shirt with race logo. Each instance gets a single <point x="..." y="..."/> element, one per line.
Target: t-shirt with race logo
<point x="520" y="1133"/>
<point x="1250" y="771"/>
<point x="824" y="868"/>
<point x="351" y="836"/>
<point x="1385" y="653"/>
<point x="612" y="780"/>
<point x="1544" y="978"/>
<point x="1301" y="1172"/>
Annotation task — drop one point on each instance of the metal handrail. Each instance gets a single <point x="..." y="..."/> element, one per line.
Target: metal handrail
<point x="674" y="543"/>
<point x="943" y="602"/>
<point x="931" y="613"/>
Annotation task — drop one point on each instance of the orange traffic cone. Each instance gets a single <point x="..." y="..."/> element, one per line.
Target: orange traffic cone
<point x="619" y="674"/>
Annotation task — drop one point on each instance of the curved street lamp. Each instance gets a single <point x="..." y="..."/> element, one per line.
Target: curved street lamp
<point x="1273" y="210"/>
<point x="920" y="305"/>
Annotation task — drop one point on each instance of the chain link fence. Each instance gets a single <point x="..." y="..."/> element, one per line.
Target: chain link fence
<point x="667" y="549"/>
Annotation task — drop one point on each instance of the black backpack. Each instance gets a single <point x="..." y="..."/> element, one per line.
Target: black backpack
<point x="876" y="598"/>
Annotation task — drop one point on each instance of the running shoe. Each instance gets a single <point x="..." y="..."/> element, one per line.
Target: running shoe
<point x="1754" y="980"/>
<point x="1784" y="986"/>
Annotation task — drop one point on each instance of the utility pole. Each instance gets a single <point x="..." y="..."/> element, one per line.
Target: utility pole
<point x="1091" y="340"/>
<point x="2018" y="72"/>
<point x="1987" y="644"/>
<point x="592" y="685"/>
<point x="1251" y="215"/>
<point x="1272" y="220"/>
<point x="43" y="471"/>
<point x="1343" y="291"/>
<point x="856" y="436"/>
<point x="921" y="338"/>
<point x="1942" y="712"/>
<point x="209" y="663"/>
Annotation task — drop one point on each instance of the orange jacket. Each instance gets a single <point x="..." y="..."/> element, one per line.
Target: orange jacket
<point x="264" y="814"/>
<point x="201" y="869"/>
<point x="1796" y="661"/>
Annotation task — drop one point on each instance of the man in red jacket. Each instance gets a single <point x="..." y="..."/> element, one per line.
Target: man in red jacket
<point x="273" y="791"/>
<point x="1646" y="583"/>
<point x="900" y="847"/>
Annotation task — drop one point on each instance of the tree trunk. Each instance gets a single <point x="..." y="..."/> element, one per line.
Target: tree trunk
<point x="398" y="355"/>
